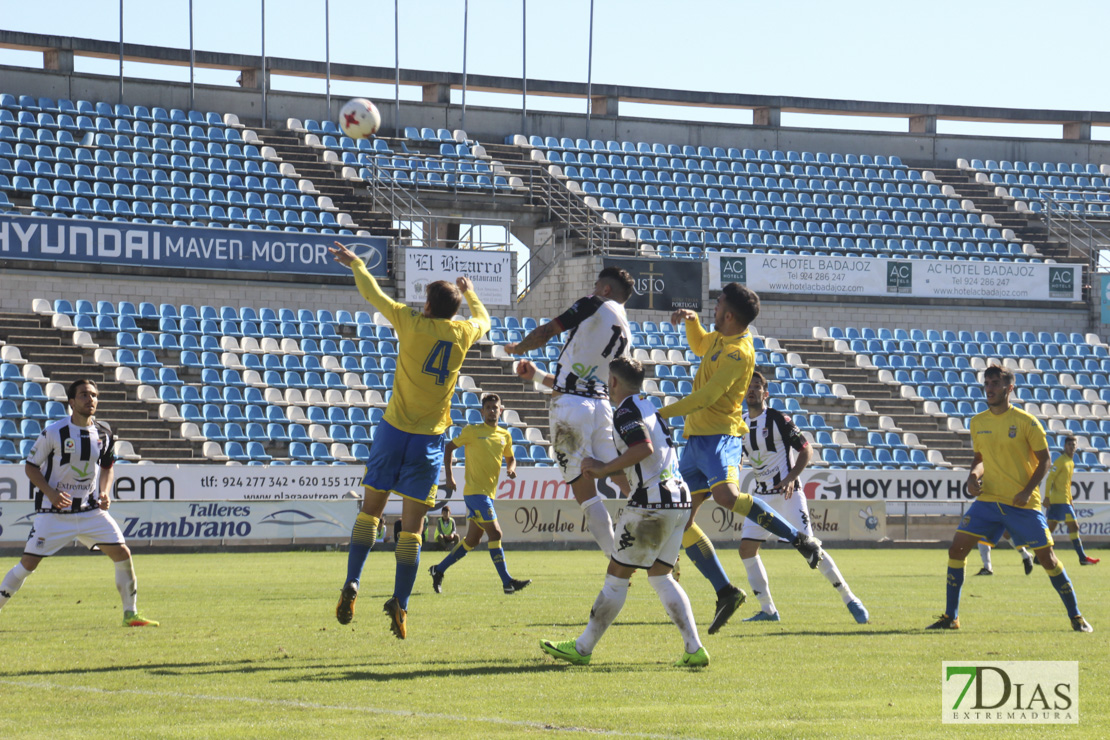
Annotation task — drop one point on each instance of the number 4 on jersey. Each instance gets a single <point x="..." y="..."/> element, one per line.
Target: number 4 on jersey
<point x="438" y="362"/>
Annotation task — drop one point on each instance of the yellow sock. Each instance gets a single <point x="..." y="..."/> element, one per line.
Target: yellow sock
<point x="692" y="536"/>
<point x="365" y="531"/>
<point x="743" y="504"/>
<point x="408" y="548"/>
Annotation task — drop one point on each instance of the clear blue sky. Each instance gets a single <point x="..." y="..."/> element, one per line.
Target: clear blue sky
<point x="1012" y="53"/>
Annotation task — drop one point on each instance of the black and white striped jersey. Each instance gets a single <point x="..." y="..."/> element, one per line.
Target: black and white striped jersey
<point x="71" y="458"/>
<point x="655" y="480"/>
<point x="769" y="443"/>
<point x="599" y="333"/>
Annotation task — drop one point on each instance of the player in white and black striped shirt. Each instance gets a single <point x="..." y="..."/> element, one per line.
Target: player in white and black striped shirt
<point x="70" y="465"/>
<point x="649" y="531"/>
<point x="778" y="454"/>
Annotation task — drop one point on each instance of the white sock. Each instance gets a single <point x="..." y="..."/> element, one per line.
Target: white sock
<point x="610" y="601"/>
<point x="1025" y="554"/>
<point x="12" y="582"/>
<point x="601" y="524"/>
<point x="757" y="579"/>
<point x="832" y="575"/>
<point x="127" y="585"/>
<point x="985" y="554"/>
<point x="677" y="606"/>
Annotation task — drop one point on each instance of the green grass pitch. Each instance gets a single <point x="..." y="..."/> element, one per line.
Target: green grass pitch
<point x="249" y="647"/>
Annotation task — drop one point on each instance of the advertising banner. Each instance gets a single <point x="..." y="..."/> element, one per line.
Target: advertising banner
<point x="490" y="271"/>
<point x="922" y="278"/>
<point x="182" y="247"/>
<point x="663" y="285"/>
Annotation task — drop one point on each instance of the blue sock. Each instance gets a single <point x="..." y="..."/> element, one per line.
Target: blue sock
<point x="767" y="518"/>
<point x="408" y="563"/>
<point x="704" y="557"/>
<point x="497" y="555"/>
<point x="1078" y="545"/>
<point x="1062" y="584"/>
<point x="363" y="536"/>
<point x="458" y="553"/>
<point x="955" y="585"/>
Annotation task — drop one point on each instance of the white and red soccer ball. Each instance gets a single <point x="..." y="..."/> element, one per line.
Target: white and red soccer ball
<point x="359" y="118"/>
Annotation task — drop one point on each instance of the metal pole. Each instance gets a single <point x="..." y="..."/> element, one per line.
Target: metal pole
<point x="396" y="71"/>
<point x="192" y="62"/>
<point x="466" y="27"/>
<point x="524" y="66"/>
<point x="121" y="52"/>
<point x="327" y="56"/>
<point x="590" y="74"/>
<point x="265" y="82"/>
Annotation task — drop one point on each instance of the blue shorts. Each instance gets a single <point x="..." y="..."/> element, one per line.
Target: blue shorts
<point x="710" y="459"/>
<point x="987" y="521"/>
<point x="479" y="509"/>
<point x="406" y="464"/>
<point x="1060" y="513"/>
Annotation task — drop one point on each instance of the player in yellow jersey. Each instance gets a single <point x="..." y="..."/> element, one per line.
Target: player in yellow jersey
<point x="1058" y="508"/>
<point x="485" y="445"/>
<point x="407" y="452"/>
<point x="1011" y="456"/>
<point x="714" y="433"/>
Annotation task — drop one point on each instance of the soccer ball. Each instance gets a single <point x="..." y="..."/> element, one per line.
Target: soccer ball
<point x="359" y="118"/>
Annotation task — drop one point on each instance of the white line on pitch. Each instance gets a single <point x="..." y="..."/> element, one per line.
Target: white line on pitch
<point x="313" y="705"/>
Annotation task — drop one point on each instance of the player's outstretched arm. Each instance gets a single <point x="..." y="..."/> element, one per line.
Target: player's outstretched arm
<point x="536" y="338"/>
<point x="696" y="335"/>
<point x="478" y="310"/>
<point x="367" y="285"/>
<point x="528" y="371"/>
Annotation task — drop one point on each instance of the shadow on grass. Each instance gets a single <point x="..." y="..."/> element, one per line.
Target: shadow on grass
<point x="476" y="670"/>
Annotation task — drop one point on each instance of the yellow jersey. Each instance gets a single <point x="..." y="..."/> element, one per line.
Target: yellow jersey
<point x="716" y="405"/>
<point x="1006" y="442"/>
<point x="485" y="446"/>
<point x="430" y="353"/>
<point x="1057" y="487"/>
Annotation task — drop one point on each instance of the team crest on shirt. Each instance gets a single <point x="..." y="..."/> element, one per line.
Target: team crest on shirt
<point x="1013" y="431"/>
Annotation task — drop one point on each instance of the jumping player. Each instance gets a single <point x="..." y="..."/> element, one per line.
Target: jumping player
<point x="407" y="452"/>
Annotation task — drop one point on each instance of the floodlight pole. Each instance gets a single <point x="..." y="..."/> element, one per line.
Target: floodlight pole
<point x="466" y="27"/>
<point x="327" y="57"/>
<point x="590" y="73"/>
<point x="192" y="62"/>
<point x="524" y="66"/>
<point x="265" y="82"/>
<point x="121" y="52"/>
<point x="396" y="70"/>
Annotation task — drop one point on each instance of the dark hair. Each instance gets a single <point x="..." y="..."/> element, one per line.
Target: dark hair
<point x="444" y="299"/>
<point x="1071" y="438"/>
<point x="742" y="301"/>
<point x="994" y="371"/>
<point x="762" y="380"/>
<point x="71" y="391"/>
<point x="620" y="280"/>
<point x="491" y="397"/>
<point x="628" y="371"/>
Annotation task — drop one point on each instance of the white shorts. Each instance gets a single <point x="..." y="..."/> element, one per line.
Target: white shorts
<point x="581" y="427"/>
<point x="794" y="510"/>
<point x="52" y="532"/>
<point x="643" y="537"/>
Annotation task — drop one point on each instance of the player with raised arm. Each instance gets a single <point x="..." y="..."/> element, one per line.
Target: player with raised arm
<point x="407" y="452"/>
<point x="778" y="454"/>
<point x="1058" y="506"/>
<point x="486" y="444"/>
<point x="714" y="430"/>
<point x="581" y="418"/>
<point x="1011" y="457"/>
<point x="649" y="530"/>
<point x="70" y="466"/>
